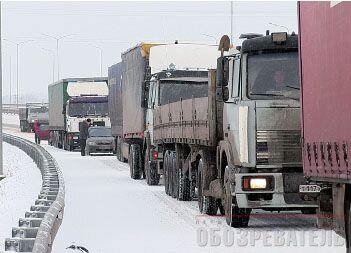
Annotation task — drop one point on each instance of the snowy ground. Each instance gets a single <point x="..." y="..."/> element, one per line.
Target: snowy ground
<point x="18" y="190"/>
<point x="106" y="211"/>
<point x="10" y="120"/>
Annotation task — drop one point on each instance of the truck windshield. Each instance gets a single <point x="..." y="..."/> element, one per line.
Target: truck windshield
<point x="173" y="92"/>
<point x="273" y="76"/>
<point x="88" y="109"/>
<point x="38" y="110"/>
<point x="100" y="132"/>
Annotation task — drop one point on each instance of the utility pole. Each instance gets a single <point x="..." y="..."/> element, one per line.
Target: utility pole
<point x="53" y="62"/>
<point x="10" y="81"/>
<point x="57" y="50"/>
<point x="17" y="63"/>
<point x="1" y="154"/>
<point x="231" y="22"/>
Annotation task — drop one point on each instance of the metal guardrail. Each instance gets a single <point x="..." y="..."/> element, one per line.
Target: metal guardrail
<point x="36" y="232"/>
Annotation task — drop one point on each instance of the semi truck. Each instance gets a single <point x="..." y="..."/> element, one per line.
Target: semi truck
<point x="115" y="106"/>
<point x="325" y="110"/>
<point x="71" y="101"/>
<point x="32" y="112"/>
<point x="128" y="105"/>
<point x="237" y="142"/>
<point x="178" y="71"/>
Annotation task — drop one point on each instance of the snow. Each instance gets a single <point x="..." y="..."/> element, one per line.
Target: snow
<point x="107" y="211"/>
<point x="18" y="190"/>
<point x="10" y="120"/>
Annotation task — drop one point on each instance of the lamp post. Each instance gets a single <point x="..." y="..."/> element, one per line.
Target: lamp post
<point x="100" y="58"/>
<point x="17" y="63"/>
<point x="57" y="49"/>
<point x="1" y="155"/>
<point x="280" y="26"/>
<point x="53" y="62"/>
<point x="10" y="80"/>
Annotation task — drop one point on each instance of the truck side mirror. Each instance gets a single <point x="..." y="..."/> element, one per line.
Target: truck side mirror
<point x="222" y="71"/>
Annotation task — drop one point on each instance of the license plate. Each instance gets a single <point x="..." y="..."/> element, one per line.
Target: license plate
<point x="310" y="188"/>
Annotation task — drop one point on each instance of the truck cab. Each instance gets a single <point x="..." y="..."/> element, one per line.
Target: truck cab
<point x="81" y="108"/>
<point x="259" y="158"/>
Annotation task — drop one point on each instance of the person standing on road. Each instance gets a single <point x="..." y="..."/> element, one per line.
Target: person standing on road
<point x="83" y="135"/>
<point x="36" y="131"/>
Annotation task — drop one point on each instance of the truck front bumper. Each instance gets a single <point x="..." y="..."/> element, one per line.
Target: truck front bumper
<point x="282" y="194"/>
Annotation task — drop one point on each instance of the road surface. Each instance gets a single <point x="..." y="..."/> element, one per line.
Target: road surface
<point x="106" y="211"/>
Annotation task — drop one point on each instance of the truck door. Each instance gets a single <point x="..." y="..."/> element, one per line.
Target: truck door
<point x="236" y="114"/>
<point x="152" y="102"/>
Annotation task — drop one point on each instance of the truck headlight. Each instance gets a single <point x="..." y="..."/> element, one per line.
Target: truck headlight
<point x="257" y="183"/>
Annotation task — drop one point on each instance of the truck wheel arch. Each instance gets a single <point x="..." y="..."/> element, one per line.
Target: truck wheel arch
<point x="224" y="158"/>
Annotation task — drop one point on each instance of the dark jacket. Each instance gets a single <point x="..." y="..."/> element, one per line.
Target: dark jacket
<point x="83" y="130"/>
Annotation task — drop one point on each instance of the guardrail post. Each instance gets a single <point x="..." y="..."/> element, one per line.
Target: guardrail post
<point x="36" y="232"/>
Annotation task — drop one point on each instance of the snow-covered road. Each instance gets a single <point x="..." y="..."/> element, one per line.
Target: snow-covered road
<point x="18" y="190"/>
<point x="106" y="211"/>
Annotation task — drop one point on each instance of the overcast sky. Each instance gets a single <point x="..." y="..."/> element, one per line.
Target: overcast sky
<point x="115" y="27"/>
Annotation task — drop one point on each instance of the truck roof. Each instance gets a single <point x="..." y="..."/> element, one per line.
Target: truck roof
<point x="144" y="48"/>
<point x="97" y="99"/>
<point x="81" y="79"/>
<point x="183" y="57"/>
<point x="266" y="43"/>
<point x="186" y="79"/>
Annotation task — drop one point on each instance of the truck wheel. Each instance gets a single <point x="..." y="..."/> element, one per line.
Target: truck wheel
<point x="175" y="179"/>
<point x="183" y="187"/>
<point x="165" y="171"/>
<point x="118" y="150"/>
<point x="171" y="176"/>
<point x="207" y="204"/>
<point x="135" y="161"/>
<point x="150" y="168"/>
<point x="235" y="217"/>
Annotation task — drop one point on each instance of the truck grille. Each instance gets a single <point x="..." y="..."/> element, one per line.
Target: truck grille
<point x="278" y="148"/>
<point x="103" y="142"/>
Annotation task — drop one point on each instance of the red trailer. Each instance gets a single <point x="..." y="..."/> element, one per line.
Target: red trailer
<point x="325" y="72"/>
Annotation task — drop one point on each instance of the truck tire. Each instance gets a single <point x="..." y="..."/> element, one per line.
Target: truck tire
<point x="235" y="217"/>
<point x="150" y="168"/>
<point x="118" y="150"/>
<point x="183" y="187"/>
<point x="207" y="204"/>
<point x="135" y="161"/>
<point x="175" y="179"/>
<point x="165" y="171"/>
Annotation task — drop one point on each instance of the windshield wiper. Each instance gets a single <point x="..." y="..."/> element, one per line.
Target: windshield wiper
<point x="293" y="87"/>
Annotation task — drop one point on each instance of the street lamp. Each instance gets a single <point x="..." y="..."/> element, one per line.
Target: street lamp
<point x="17" y="50"/>
<point x="57" y="50"/>
<point x="53" y="62"/>
<point x="280" y="26"/>
<point x="210" y="36"/>
<point x="100" y="58"/>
